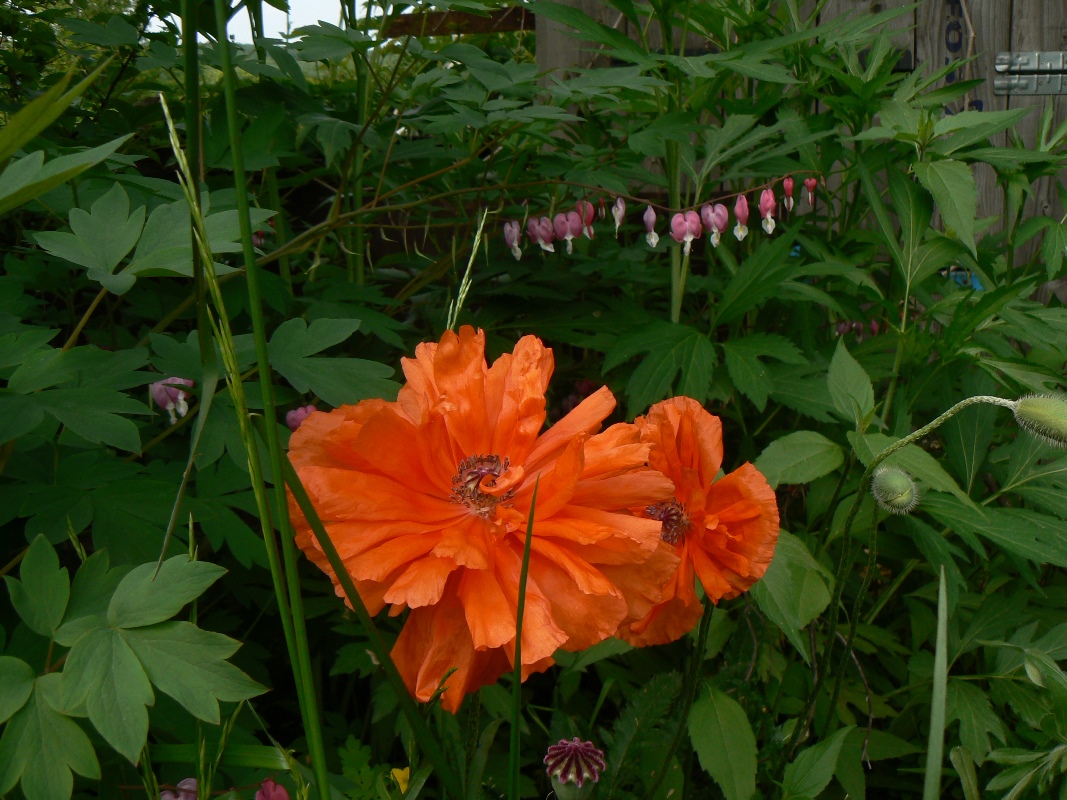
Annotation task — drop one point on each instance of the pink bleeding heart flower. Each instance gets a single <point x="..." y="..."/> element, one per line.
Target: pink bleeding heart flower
<point x="741" y="212"/>
<point x="787" y="190"/>
<point x="269" y="790"/>
<point x="186" y="791"/>
<point x="169" y="396"/>
<point x="685" y="228"/>
<point x="618" y="213"/>
<point x="767" y="206"/>
<point x="512" y="236"/>
<point x="540" y="231"/>
<point x="586" y="213"/>
<point x="809" y="186"/>
<point x="715" y="218"/>
<point x="568" y="226"/>
<point x="297" y="416"/>
<point x="649" y="218"/>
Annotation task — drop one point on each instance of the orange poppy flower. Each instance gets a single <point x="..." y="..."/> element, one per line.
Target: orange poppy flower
<point x="723" y="531"/>
<point x="427" y="501"/>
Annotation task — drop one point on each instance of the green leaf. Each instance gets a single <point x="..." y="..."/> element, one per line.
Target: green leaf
<point x="40" y="747"/>
<point x="799" y="457"/>
<point x="794" y="590"/>
<point x="970" y="705"/>
<point x="118" y="32"/>
<point x="952" y="185"/>
<point x="748" y="373"/>
<point x="336" y="380"/>
<point x="722" y="737"/>
<point x="29" y="177"/>
<point x="90" y="594"/>
<point x="16" y="685"/>
<point x="19" y="414"/>
<point x="812" y="770"/>
<point x="40" y="598"/>
<point x="103" y="672"/>
<point x="101" y="238"/>
<point x="189" y="665"/>
<point x="1036" y="537"/>
<point x="963" y="762"/>
<point x="850" y="387"/>
<point x="1053" y="248"/>
<point x="674" y="352"/>
<point x="758" y="278"/>
<point x="144" y="598"/>
<point x="93" y="414"/>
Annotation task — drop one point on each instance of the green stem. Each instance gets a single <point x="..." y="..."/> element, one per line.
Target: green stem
<point x="690" y="689"/>
<point x="516" y="677"/>
<point x="305" y="684"/>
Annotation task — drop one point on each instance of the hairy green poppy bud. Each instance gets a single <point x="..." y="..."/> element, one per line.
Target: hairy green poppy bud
<point x="894" y="490"/>
<point x="1045" y="416"/>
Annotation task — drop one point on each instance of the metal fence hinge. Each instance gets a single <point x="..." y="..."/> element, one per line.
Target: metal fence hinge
<point x="1030" y="72"/>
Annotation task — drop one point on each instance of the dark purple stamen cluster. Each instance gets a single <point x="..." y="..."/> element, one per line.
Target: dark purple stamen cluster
<point x="674" y="517"/>
<point x="467" y="483"/>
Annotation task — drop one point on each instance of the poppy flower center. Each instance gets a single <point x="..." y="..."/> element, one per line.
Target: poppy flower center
<point x="674" y="517"/>
<point x="475" y="475"/>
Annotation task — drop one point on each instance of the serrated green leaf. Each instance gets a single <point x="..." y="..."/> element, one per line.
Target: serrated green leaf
<point x="812" y="770"/>
<point x="722" y="737"/>
<point x="19" y="414"/>
<point x="953" y="187"/>
<point x="145" y="598"/>
<point x="758" y="278"/>
<point x="675" y="353"/>
<point x="794" y="590"/>
<point x="40" y="747"/>
<point x="40" y="598"/>
<point x="102" y="671"/>
<point x="1053" y="248"/>
<point x="16" y="685"/>
<point x="970" y="705"/>
<point x="850" y="387"/>
<point x="799" y="457"/>
<point x="189" y="665"/>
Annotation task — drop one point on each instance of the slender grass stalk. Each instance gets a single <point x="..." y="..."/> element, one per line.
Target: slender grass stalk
<point x="224" y="336"/>
<point x="313" y="727"/>
<point x="516" y="675"/>
<point x="423" y="735"/>
<point x="935" y="748"/>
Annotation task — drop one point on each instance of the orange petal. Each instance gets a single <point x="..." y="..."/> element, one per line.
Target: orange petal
<point x="515" y="398"/>
<point x="421" y="584"/>
<point x="584" y="419"/>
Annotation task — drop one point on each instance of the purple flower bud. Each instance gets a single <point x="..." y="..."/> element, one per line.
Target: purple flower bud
<point x="741" y="212"/>
<point x="649" y="218"/>
<point x="297" y="416"/>
<point x="618" y="213"/>
<point x="169" y="396"/>
<point x="512" y="235"/>
<point x="269" y="790"/>
<point x="186" y="791"/>
<point x="575" y="762"/>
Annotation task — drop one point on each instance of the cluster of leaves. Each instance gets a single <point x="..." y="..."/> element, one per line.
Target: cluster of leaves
<point x="371" y="160"/>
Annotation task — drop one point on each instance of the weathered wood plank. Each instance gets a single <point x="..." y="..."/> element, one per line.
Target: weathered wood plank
<point x="1039" y="26"/>
<point x="442" y="23"/>
<point x="948" y="31"/>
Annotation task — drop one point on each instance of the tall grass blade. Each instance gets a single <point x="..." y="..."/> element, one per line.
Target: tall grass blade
<point x="935" y="749"/>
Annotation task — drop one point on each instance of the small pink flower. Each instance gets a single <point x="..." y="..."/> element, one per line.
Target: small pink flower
<point x="685" y="228"/>
<point x="649" y="218"/>
<point x="170" y="397"/>
<point x="715" y="218"/>
<point x="741" y="212"/>
<point x="767" y="207"/>
<point x="297" y="416"/>
<point x="618" y="213"/>
<point x="809" y="186"/>
<point x="540" y="231"/>
<point x="586" y="213"/>
<point x="874" y="327"/>
<point x="512" y="235"/>
<point x="269" y="790"/>
<point x="575" y="762"/>
<point x="186" y="791"/>
<point x="568" y="227"/>
<point x="787" y="189"/>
